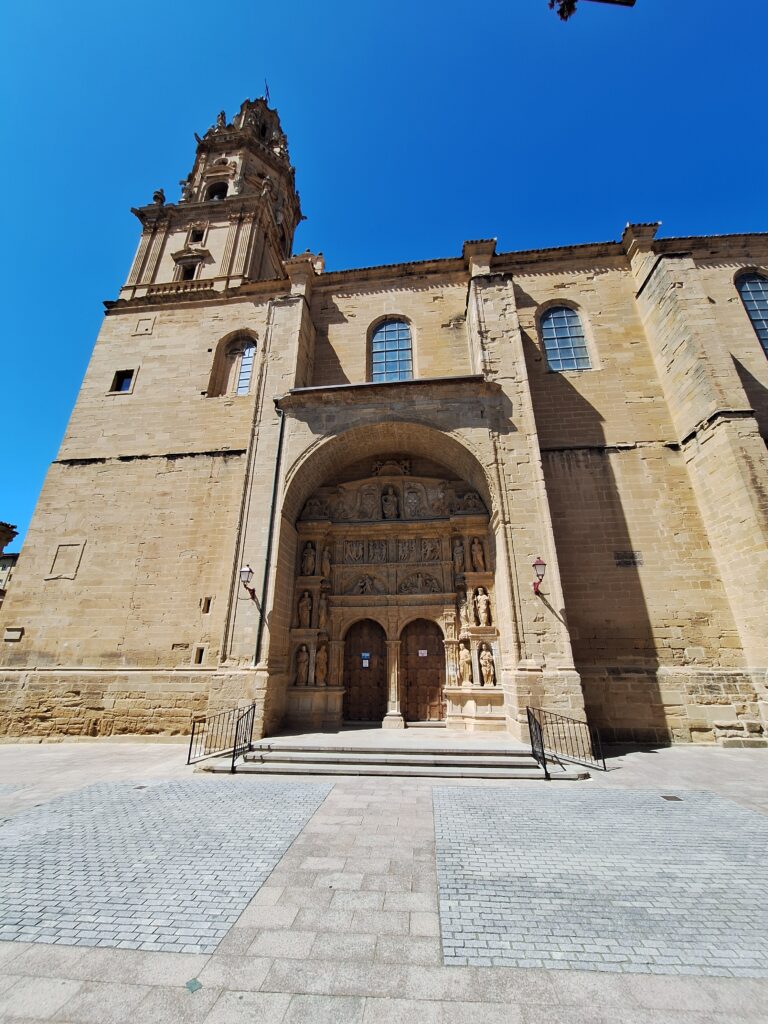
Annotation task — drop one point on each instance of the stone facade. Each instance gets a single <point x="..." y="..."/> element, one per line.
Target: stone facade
<point x="229" y="420"/>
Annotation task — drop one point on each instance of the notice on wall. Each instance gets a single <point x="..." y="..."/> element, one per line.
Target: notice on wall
<point x="423" y="654"/>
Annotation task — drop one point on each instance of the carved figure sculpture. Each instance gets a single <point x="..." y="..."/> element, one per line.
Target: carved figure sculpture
<point x="221" y="119"/>
<point x="420" y="583"/>
<point x="463" y="609"/>
<point x="465" y="664"/>
<point x="305" y="610"/>
<point x="158" y="196"/>
<point x="308" y="560"/>
<point x="390" y="504"/>
<point x="412" y="503"/>
<point x="406" y="550"/>
<point x="353" y="551"/>
<point x="367" y="584"/>
<point x="302" y="666"/>
<point x="430" y="550"/>
<point x="377" y="551"/>
<point x="321" y="666"/>
<point x="322" y="612"/>
<point x="483" y="607"/>
<point x="478" y="555"/>
<point x="472" y="502"/>
<point x="458" y="556"/>
<point x="325" y="563"/>
<point x="486" y="667"/>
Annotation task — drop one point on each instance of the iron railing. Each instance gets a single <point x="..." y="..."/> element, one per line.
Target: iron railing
<point x="221" y="733"/>
<point x="564" y="739"/>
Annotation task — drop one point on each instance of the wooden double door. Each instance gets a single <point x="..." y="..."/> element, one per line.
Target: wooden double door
<point x="422" y="672"/>
<point x="365" y="672"/>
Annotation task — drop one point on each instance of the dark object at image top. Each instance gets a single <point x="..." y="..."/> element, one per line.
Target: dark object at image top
<point x="565" y="8"/>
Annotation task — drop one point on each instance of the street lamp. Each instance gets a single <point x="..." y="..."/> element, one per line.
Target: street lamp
<point x="539" y="567"/>
<point x="246" y="575"/>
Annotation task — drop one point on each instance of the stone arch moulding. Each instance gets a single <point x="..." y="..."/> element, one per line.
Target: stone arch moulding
<point x="408" y="563"/>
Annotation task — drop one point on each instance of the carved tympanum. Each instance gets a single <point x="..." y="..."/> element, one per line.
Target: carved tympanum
<point x="419" y="583"/>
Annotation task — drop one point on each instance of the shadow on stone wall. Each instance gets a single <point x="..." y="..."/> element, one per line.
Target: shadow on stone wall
<point x="613" y="640"/>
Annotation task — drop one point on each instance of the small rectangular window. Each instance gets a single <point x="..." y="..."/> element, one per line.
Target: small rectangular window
<point x="188" y="271"/>
<point x="206" y="605"/>
<point x="199" y="652"/>
<point x="122" y="381"/>
<point x="196" y="235"/>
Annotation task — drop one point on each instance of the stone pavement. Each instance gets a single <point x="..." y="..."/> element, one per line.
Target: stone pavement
<point x="346" y="927"/>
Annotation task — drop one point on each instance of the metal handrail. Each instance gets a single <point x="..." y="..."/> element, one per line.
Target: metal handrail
<point x="243" y="734"/>
<point x="219" y="733"/>
<point x="564" y="739"/>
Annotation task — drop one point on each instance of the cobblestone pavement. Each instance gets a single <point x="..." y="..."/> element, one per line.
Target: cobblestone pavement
<point x="602" y="880"/>
<point x="345" y="930"/>
<point x="156" y="866"/>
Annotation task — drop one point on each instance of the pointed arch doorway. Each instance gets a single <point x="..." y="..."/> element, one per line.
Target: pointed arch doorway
<point x="422" y="662"/>
<point x="365" y="672"/>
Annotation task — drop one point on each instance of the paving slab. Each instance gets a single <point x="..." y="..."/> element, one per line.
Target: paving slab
<point x="616" y="881"/>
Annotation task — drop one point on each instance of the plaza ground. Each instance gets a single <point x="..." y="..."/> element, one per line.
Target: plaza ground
<point x="154" y="893"/>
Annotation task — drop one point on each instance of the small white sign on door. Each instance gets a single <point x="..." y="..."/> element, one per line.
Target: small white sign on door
<point x="423" y="654"/>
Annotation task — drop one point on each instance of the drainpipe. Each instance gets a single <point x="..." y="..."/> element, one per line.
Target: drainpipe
<point x="270" y="532"/>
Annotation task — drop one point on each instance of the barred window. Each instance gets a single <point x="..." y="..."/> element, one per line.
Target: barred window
<point x="564" y="341"/>
<point x="391" y="352"/>
<point x="753" y="289"/>
<point x="246" y="368"/>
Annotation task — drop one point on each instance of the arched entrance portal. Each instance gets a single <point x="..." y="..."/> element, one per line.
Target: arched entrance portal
<point x="422" y="663"/>
<point x="365" y="673"/>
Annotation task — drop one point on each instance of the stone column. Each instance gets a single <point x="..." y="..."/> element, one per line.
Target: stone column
<point x="393" y="718"/>
<point x="336" y="663"/>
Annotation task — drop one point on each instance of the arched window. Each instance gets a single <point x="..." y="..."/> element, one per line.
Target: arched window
<point x="753" y="289"/>
<point x="391" y="351"/>
<point x="564" y="341"/>
<point x="245" y="369"/>
<point x="232" y="367"/>
<point x="217" y="191"/>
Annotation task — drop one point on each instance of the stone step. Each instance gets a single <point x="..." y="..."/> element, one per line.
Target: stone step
<point x="428" y="750"/>
<point x="456" y="759"/>
<point x="410" y="771"/>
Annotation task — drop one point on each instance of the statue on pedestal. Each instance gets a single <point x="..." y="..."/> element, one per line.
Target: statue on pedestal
<point x="302" y="666"/>
<point x="305" y="610"/>
<point x="308" y="560"/>
<point x="483" y="607"/>
<point x="458" y="556"/>
<point x="465" y="664"/>
<point x="486" y="667"/>
<point x="322" y="613"/>
<point x="389" y="503"/>
<point x="325" y="563"/>
<point x="478" y="555"/>
<point x="321" y="666"/>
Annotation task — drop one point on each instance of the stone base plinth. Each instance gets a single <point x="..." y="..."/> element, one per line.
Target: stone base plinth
<point x="393" y="720"/>
<point x="314" y="707"/>
<point x="475" y="708"/>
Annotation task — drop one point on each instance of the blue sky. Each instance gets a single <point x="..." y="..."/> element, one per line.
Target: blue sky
<point x="412" y="126"/>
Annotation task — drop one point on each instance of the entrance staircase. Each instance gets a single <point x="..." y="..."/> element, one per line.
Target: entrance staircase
<point x="447" y="760"/>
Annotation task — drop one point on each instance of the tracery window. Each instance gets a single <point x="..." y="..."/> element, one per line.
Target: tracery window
<point x="564" y="340"/>
<point x="753" y="289"/>
<point x="391" y="351"/>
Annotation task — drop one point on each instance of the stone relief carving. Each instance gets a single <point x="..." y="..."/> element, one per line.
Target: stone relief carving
<point x="391" y="467"/>
<point x="377" y="551"/>
<point x="487" y="667"/>
<point x="302" y="666"/>
<point x="463" y="608"/>
<point x="478" y="555"/>
<point x="483" y="607"/>
<point x="430" y="549"/>
<point x="406" y="550"/>
<point x="308" y="560"/>
<point x="305" y="610"/>
<point x="321" y="666"/>
<point x="367" y="584"/>
<point x="373" y="499"/>
<point x="390" y="504"/>
<point x="419" y="583"/>
<point x="465" y="664"/>
<point x="353" y="551"/>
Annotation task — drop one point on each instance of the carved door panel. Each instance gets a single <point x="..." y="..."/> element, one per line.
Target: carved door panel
<point x="365" y="673"/>
<point x="422" y="665"/>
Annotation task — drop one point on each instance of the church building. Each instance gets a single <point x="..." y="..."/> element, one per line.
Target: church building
<point x="436" y="492"/>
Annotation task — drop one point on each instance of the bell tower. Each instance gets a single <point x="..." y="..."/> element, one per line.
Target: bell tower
<point x="235" y="219"/>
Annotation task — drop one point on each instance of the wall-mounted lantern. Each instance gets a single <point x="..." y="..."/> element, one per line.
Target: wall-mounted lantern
<point x="539" y="567"/>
